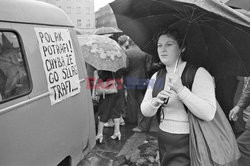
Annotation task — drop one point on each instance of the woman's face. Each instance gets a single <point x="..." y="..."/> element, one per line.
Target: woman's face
<point x="168" y="50"/>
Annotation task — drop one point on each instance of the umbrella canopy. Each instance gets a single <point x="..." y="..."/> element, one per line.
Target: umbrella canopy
<point x="218" y="38"/>
<point x="102" y="52"/>
<point x="107" y="30"/>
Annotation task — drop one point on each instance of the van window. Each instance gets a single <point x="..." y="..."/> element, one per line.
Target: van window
<point x="14" y="80"/>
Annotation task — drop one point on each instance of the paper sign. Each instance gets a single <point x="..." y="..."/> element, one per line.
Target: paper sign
<point x="59" y="63"/>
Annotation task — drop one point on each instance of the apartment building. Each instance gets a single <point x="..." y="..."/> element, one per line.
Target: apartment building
<point x="81" y="12"/>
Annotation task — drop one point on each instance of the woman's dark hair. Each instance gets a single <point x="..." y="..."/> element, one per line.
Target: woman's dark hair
<point x="173" y="33"/>
<point x="176" y="35"/>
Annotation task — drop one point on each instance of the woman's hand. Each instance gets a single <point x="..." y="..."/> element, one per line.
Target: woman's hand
<point x="175" y="82"/>
<point x="162" y="97"/>
<point x="233" y="113"/>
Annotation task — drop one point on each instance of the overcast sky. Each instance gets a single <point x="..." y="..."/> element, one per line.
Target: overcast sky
<point x="101" y="3"/>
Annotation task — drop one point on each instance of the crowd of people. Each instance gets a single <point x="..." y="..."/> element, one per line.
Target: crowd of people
<point x="137" y="103"/>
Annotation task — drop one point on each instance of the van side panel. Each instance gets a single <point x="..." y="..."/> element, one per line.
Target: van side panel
<point x="38" y="134"/>
<point x="88" y="105"/>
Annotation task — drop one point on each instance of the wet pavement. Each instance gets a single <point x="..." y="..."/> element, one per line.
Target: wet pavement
<point x="132" y="149"/>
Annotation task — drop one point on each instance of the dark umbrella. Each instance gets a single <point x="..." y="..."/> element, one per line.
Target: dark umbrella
<point x="218" y="37"/>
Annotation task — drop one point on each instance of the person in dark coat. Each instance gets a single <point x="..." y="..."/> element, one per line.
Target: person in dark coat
<point x="135" y="79"/>
<point x="225" y="90"/>
<point x="244" y="139"/>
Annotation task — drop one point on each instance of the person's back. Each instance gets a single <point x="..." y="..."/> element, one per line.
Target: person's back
<point x="243" y="139"/>
<point x="137" y="60"/>
<point x="135" y="79"/>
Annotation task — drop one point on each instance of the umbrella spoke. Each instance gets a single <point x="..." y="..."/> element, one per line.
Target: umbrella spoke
<point x="228" y="25"/>
<point x="181" y="13"/>
<point x="180" y="17"/>
<point x="178" y="10"/>
<point x="175" y="23"/>
<point x="199" y="17"/>
<point x="187" y="11"/>
<point x="197" y="41"/>
<point x="204" y="19"/>
<point x="237" y="54"/>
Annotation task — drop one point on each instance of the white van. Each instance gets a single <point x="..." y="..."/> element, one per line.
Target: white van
<point x="46" y="112"/>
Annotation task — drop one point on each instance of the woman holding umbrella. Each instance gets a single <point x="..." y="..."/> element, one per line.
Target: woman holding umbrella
<point x="109" y="60"/>
<point x="111" y="105"/>
<point x="173" y="98"/>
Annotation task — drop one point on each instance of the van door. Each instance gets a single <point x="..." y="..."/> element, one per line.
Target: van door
<point x="34" y="132"/>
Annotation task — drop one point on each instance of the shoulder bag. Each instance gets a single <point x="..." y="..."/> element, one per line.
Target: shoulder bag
<point x="212" y="143"/>
<point x="106" y="87"/>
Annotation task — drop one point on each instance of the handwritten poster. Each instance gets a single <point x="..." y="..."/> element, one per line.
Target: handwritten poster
<point x="59" y="63"/>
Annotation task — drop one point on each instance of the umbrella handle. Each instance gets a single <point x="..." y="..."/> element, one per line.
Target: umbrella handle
<point x="182" y="46"/>
<point x="176" y="64"/>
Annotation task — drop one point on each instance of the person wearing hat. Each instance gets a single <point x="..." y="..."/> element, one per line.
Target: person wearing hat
<point x="123" y="41"/>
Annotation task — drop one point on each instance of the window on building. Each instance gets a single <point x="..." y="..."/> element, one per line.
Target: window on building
<point x="87" y="10"/>
<point x="78" y="10"/>
<point x="14" y="78"/>
<point x="79" y="23"/>
<point x="87" y="25"/>
<point x="68" y="10"/>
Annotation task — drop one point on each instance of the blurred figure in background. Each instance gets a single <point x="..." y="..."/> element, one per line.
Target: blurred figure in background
<point x="123" y="41"/>
<point x="244" y="139"/>
<point x="225" y="91"/>
<point x="239" y="124"/>
<point x="136" y="79"/>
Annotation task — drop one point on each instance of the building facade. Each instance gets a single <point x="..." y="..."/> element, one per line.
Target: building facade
<point x="105" y="17"/>
<point x="81" y="12"/>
